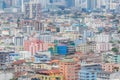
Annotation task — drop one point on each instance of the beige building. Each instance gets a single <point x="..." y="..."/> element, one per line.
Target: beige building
<point x="41" y="66"/>
<point x="85" y="48"/>
<point x="72" y="36"/>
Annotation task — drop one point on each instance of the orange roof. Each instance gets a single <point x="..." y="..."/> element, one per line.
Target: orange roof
<point x="19" y="62"/>
<point x="78" y="53"/>
<point x="54" y="61"/>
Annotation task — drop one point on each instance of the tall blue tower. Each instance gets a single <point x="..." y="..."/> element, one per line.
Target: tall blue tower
<point x="2" y="4"/>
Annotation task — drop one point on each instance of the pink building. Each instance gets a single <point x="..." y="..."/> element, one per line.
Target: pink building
<point x="109" y="67"/>
<point x="34" y="45"/>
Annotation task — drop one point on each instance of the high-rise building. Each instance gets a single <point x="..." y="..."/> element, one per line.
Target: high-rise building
<point x="89" y="72"/>
<point x="22" y="4"/>
<point x="34" y="45"/>
<point x="77" y="3"/>
<point x="32" y="9"/>
<point x="2" y="4"/>
<point x="8" y="3"/>
<point x="69" y="68"/>
<point x="44" y="3"/>
<point x="91" y="4"/>
<point x="17" y="3"/>
<point x="19" y="40"/>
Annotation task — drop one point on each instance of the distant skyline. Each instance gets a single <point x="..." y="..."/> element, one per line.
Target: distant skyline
<point x="87" y="5"/>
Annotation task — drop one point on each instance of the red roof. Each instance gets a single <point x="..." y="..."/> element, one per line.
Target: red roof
<point x="19" y="62"/>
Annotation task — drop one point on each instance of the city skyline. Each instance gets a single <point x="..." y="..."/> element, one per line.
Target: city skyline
<point x="59" y="39"/>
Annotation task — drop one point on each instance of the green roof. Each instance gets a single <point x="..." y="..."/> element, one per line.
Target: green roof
<point x="68" y="60"/>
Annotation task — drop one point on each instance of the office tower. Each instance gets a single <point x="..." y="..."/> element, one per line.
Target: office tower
<point x="91" y="4"/>
<point x="13" y="3"/>
<point x="77" y="3"/>
<point x="19" y="40"/>
<point x="2" y="4"/>
<point x="113" y="4"/>
<point x="32" y="9"/>
<point x="44" y="3"/>
<point x="16" y="3"/>
<point x="83" y="4"/>
<point x="22" y="4"/>
<point x="88" y="4"/>
<point x="8" y="3"/>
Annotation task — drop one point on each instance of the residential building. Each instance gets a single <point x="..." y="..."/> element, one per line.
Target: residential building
<point x="20" y="66"/>
<point x="4" y="57"/>
<point x="14" y="56"/>
<point x="87" y="47"/>
<point x="62" y="49"/>
<point x="103" y="75"/>
<point x="52" y="74"/>
<point x="47" y="53"/>
<point x="102" y="38"/>
<point x="103" y="47"/>
<point x="2" y="4"/>
<point x="69" y="68"/>
<point x="110" y="67"/>
<point x="77" y="3"/>
<point x="24" y="54"/>
<point x="19" y="40"/>
<point x="42" y="66"/>
<point x="70" y="49"/>
<point x="34" y="45"/>
<point x="116" y="59"/>
<point x="41" y="58"/>
<point x="32" y="9"/>
<point x="44" y="3"/>
<point x="46" y="37"/>
<point x="89" y="71"/>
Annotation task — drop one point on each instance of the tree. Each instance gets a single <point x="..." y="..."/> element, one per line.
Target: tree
<point x="115" y="50"/>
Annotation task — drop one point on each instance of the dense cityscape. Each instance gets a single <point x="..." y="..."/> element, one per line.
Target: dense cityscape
<point x="59" y="39"/>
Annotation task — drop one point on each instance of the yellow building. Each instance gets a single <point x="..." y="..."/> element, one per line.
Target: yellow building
<point x="41" y="66"/>
<point x="53" y="74"/>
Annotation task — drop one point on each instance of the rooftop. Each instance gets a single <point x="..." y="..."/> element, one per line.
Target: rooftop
<point x="47" y="72"/>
